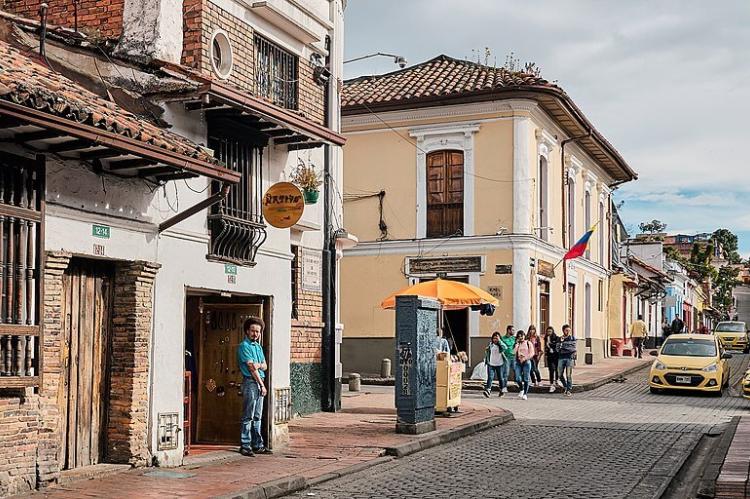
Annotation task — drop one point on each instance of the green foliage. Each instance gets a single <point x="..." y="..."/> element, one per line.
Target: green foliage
<point x="674" y="255"/>
<point x="306" y="177"/>
<point x="652" y="227"/>
<point x="724" y="282"/>
<point x="729" y="244"/>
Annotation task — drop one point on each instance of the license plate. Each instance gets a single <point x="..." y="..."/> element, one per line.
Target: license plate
<point x="683" y="379"/>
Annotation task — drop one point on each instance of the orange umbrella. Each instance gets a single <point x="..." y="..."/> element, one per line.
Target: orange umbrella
<point x="453" y="295"/>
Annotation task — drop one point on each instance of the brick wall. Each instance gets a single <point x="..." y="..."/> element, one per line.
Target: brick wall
<point x="201" y="18"/>
<point x="127" y="430"/>
<point x="19" y="431"/>
<point x="99" y="19"/>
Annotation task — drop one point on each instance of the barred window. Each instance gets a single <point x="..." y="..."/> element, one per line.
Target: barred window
<point x="276" y="74"/>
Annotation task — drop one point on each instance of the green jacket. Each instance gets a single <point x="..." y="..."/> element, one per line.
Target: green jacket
<point x="507" y="344"/>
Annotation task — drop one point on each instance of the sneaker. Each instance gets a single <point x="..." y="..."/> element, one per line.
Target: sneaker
<point x="486" y="393"/>
<point x="552" y="389"/>
<point x="246" y="452"/>
<point x="500" y="394"/>
<point x="504" y="390"/>
<point x="524" y="397"/>
<point x="559" y="383"/>
<point x="520" y="394"/>
<point x="568" y="393"/>
<point x="263" y="450"/>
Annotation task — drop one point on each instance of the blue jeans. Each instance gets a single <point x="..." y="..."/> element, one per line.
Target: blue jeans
<point x="504" y="372"/>
<point x="491" y="371"/>
<point x="523" y="375"/>
<point x="252" y="412"/>
<point x="565" y="372"/>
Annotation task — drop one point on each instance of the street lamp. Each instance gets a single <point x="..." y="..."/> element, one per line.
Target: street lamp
<point x="397" y="59"/>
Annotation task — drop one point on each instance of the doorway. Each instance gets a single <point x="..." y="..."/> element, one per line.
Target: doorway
<point x="213" y="332"/>
<point x="86" y="312"/>
<point x="455" y="322"/>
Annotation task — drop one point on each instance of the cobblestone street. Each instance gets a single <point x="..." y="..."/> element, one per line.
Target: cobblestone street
<point x="616" y="441"/>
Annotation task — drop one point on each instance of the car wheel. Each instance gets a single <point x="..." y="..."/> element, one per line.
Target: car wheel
<point x="718" y="394"/>
<point x="747" y="350"/>
<point x="654" y="390"/>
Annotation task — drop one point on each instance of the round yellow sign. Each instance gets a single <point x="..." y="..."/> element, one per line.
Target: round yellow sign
<point x="283" y="205"/>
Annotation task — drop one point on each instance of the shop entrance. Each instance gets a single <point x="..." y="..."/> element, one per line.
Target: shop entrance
<point x="213" y="332"/>
<point x="86" y="312"/>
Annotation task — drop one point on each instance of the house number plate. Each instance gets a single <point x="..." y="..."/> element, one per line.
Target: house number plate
<point x="103" y="231"/>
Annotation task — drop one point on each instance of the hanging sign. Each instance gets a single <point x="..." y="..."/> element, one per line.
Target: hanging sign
<point x="545" y="269"/>
<point x="283" y="205"/>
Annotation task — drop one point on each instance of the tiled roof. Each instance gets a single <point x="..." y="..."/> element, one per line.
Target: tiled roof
<point x="27" y="82"/>
<point x="442" y="76"/>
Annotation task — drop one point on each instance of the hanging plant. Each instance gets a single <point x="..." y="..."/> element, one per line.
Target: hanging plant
<point x="307" y="179"/>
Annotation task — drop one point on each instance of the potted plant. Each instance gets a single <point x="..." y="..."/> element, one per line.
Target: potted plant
<point x="307" y="179"/>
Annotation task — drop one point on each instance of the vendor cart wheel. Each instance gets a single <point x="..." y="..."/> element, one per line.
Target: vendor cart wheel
<point x="455" y="409"/>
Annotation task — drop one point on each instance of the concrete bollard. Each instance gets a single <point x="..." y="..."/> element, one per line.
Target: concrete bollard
<point x="385" y="368"/>
<point x="354" y="382"/>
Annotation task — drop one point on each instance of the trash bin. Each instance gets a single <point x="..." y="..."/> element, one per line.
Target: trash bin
<point x="448" y="390"/>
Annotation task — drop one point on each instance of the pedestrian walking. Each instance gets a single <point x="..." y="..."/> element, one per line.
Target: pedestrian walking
<point x="524" y="352"/>
<point x="494" y="359"/>
<point x="508" y="344"/>
<point x="253" y="366"/>
<point x="566" y="352"/>
<point x="550" y="351"/>
<point x="677" y="325"/>
<point x="638" y="334"/>
<point x="536" y="377"/>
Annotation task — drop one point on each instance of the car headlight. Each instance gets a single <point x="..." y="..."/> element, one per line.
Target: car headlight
<point x="710" y="368"/>
<point x="659" y="366"/>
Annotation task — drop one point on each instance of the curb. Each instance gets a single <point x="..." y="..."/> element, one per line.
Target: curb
<point x="474" y="385"/>
<point x="445" y="436"/>
<point x="707" y="483"/>
<point x="653" y="485"/>
<point x="294" y="483"/>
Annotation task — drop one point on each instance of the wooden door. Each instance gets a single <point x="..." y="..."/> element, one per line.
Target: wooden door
<point x="543" y="306"/>
<point x="219" y="386"/>
<point x="86" y="311"/>
<point x="445" y="193"/>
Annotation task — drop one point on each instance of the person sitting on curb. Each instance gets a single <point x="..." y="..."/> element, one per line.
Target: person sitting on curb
<point x="494" y="359"/>
<point x="508" y="344"/>
<point x="566" y="352"/>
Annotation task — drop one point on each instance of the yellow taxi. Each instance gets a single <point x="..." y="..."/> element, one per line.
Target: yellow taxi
<point x="733" y="335"/>
<point x="746" y="385"/>
<point x="690" y="362"/>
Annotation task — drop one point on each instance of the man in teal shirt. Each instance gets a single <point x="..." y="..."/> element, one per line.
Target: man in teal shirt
<point x="253" y="367"/>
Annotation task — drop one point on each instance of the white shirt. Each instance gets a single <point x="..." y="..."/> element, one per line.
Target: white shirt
<point x="496" y="358"/>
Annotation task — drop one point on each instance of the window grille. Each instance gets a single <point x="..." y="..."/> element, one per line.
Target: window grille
<point x="276" y="74"/>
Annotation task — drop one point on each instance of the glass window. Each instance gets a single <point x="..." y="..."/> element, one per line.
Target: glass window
<point x="730" y="327"/>
<point x="690" y="348"/>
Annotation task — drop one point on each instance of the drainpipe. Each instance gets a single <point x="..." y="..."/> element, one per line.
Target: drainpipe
<point x="329" y="399"/>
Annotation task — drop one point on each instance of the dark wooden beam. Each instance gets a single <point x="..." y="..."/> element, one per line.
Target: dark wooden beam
<point x="175" y="176"/>
<point x="291" y="139"/>
<point x="32" y="136"/>
<point x="131" y="164"/>
<point x="196" y="106"/>
<point x="279" y="132"/>
<point x="100" y="154"/>
<point x="70" y="145"/>
<point x="157" y="170"/>
<point x="304" y="145"/>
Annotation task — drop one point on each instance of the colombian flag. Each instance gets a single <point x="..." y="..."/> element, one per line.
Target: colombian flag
<point x="579" y="248"/>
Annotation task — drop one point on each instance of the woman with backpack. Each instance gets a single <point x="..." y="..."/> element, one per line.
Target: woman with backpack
<point x="550" y="351"/>
<point x="524" y="352"/>
<point x="494" y="360"/>
<point x="536" y="377"/>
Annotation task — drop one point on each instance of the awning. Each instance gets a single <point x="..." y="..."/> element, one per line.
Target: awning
<point x="48" y="113"/>
<point x="284" y="127"/>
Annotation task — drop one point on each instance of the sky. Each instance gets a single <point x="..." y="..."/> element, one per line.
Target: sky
<point x="667" y="82"/>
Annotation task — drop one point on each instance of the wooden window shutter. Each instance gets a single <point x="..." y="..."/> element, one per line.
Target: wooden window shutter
<point x="445" y="193"/>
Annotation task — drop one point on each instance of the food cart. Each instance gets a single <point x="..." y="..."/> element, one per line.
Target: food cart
<point x="449" y="376"/>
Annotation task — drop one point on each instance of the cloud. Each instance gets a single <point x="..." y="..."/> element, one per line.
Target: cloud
<point x="666" y="82"/>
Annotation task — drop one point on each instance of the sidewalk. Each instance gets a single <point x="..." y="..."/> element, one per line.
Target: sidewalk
<point x="734" y="478"/>
<point x="322" y="446"/>
<point x="585" y="377"/>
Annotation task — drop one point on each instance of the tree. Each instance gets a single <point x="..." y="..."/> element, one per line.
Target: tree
<point x="729" y="244"/>
<point x="724" y="284"/>
<point x="652" y="227"/>
<point x="700" y="261"/>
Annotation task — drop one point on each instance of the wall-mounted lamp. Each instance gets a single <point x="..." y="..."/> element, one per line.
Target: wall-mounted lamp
<point x="397" y="59"/>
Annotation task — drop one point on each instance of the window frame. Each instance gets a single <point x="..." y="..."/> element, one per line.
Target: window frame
<point x="448" y="177"/>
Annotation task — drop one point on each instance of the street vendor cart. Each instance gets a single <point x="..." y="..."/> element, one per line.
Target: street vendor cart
<point x="449" y="376"/>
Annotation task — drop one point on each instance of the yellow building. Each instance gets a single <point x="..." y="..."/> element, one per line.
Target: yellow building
<point x="479" y="174"/>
